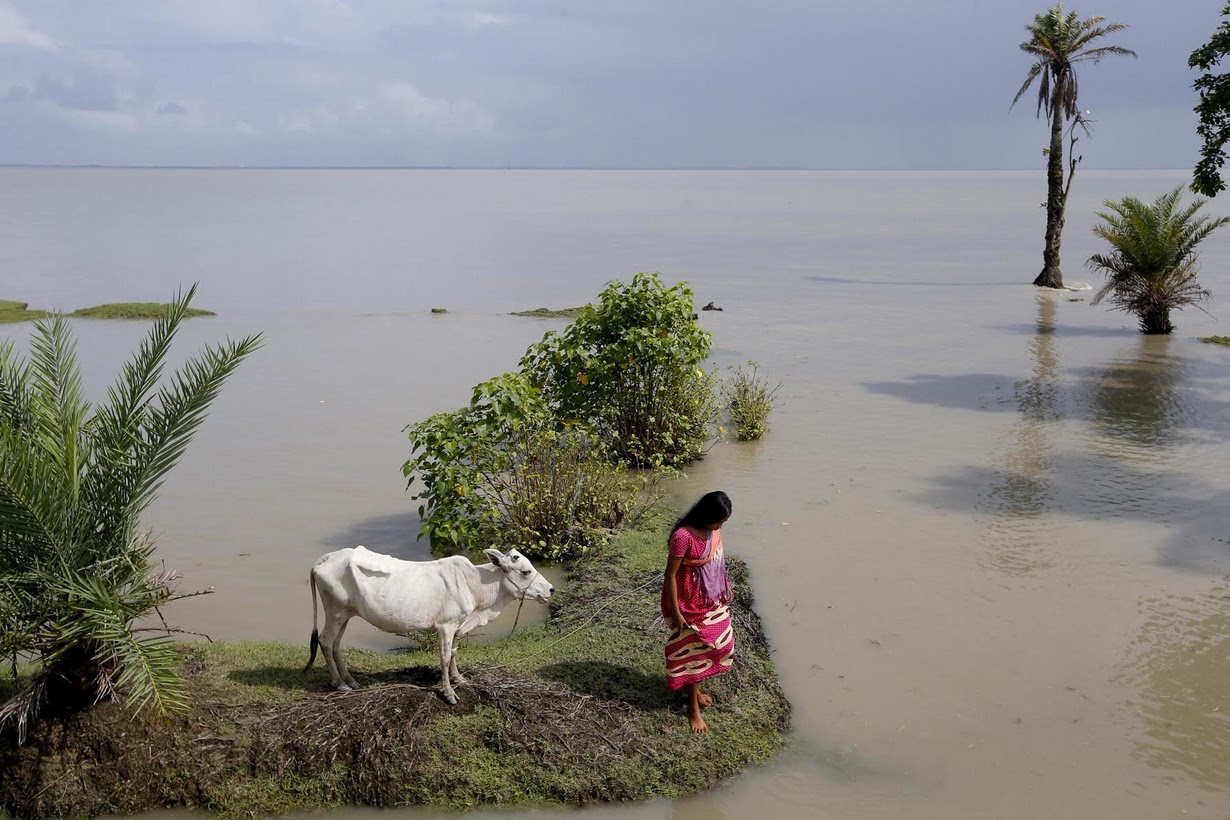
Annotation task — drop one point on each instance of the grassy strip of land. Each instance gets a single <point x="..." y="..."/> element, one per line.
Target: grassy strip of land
<point x="133" y="310"/>
<point x="548" y="313"/>
<point x="571" y="711"/>
<point x="1216" y="340"/>
<point x="11" y="311"/>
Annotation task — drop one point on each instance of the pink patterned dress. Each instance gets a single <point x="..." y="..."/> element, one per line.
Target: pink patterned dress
<point x="706" y="647"/>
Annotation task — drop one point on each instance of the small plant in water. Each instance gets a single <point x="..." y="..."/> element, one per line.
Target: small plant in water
<point x="749" y="399"/>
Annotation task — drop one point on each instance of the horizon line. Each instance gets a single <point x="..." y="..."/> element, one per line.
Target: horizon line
<point x="792" y="168"/>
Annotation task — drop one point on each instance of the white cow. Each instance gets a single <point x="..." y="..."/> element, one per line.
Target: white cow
<point x="451" y="595"/>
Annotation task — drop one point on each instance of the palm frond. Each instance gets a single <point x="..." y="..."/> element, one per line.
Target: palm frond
<point x="1151" y="268"/>
<point x="182" y="407"/>
<point x="117" y="439"/>
<point x="141" y="672"/>
<point x="1059" y="40"/>
<point x="14" y="390"/>
<point x="22" y="709"/>
<point x="32" y="503"/>
<point x="58" y="404"/>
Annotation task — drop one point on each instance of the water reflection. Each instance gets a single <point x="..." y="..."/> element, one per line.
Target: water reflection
<point x="1179" y="669"/>
<point x="1019" y="493"/>
<point x="1136" y="404"/>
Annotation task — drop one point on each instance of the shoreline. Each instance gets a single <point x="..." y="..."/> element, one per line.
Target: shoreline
<point x="568" y="712"/>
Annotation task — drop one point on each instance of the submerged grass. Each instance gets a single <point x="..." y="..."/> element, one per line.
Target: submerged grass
<point x="12" y="311"/>
<point x="1216" y="340"/>
<point x="571" y="711"/>
<point x="548" y="313"/>
<point x="133" y="310"/>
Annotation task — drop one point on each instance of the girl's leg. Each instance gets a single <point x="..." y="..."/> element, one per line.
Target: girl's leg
<point x="694" y="716"/>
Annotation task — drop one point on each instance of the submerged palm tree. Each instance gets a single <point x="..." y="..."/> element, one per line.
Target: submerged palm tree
<point x="1059" y="41"/>
<point x="76" y="577"/>
<point x="1151" y="269"/>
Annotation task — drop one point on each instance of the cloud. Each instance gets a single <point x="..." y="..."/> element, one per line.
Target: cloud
<point x="405" y="102"/>
<point x="15" y="31"/>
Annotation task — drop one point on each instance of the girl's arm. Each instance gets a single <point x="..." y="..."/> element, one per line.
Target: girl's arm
<point x="673" y="563"/>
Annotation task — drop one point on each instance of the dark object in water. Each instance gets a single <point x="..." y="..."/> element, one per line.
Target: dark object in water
<point x="711" y="306"/>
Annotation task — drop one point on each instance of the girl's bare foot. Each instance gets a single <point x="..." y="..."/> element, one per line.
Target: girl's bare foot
<point x="704" y="700"/>
<point x="699" y="727"/>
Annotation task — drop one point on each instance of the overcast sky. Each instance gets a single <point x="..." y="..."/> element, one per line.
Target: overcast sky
<point x="859" y="84"/>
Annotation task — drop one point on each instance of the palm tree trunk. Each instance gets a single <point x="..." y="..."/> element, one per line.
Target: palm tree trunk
<point x="1156" y="320"/>
<point x="1056" y="197"/>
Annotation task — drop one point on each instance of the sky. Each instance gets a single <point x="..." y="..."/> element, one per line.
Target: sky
<point x="860" y="84"/>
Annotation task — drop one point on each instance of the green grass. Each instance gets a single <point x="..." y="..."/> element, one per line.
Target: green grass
<point x="133" y="310"/>
<point x="548" y="313"/>
<point x="11" y="311"/>
<point x="571" y="711"/>
<point x="1216" y="340"/>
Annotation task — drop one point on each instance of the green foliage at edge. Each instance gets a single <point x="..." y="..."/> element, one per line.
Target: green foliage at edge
<point x="75" y="571"/>
<point x="1213" y="109"/>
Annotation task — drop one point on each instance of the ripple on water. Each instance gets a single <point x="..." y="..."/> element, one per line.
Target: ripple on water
<point x="1179" y="665"/>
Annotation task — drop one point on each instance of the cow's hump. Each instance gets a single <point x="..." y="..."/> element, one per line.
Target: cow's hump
<point x="369" y="563"/>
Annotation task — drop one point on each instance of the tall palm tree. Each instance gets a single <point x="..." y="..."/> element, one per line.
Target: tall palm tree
<point x="1151" y="269"/>
<point x="1059" y="40"/>
<point x="76" y="574"/>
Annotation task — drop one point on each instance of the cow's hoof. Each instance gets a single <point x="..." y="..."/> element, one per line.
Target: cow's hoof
<point x="354" y="687"/>
<point x="451" y="699"/>
<point x="343" y="688"/>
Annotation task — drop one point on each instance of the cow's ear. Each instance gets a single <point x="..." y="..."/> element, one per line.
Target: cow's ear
<point x="496" y="557"/>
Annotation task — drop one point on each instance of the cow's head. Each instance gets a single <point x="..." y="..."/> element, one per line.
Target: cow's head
<point x="520" y="575"/>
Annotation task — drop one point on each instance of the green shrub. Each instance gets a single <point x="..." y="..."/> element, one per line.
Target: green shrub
<point x="502" y="472"/>
<point x="749" y="399"/>
<point x="627" y="368"/>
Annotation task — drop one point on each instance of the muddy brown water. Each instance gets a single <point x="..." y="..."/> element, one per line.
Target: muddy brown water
<point x="988" y="531"/>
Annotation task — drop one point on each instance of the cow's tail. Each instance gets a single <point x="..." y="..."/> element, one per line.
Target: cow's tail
<point x="315" y="642"/>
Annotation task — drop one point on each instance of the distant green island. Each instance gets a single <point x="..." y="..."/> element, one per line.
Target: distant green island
<point x="11" y="311"/>
<point x="547" y="313"/>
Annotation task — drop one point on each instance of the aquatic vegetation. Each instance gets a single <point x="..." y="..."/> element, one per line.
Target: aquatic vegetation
<point x="749" y="399"/>
<point x="548" y="313"/>
<point x="1151" y="269"/>
<point x="134" y="310"/>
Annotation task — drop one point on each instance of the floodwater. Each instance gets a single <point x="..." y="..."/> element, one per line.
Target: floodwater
<point x="988" y="532"/>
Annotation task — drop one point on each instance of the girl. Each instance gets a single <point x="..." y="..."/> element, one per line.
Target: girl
<point x="695" y="595"/>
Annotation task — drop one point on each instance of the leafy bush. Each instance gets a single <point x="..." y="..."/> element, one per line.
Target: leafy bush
<point x="627" y="368"/>
<point x="749" y="399"/>
<point x="502" y="472"/>
<point x="75" y="573"/>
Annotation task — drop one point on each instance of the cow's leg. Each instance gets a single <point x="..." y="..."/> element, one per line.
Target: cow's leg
<point x="453" y="672"/>
<point x="350" y="682"/>
<point x="330" y="643"/>
<point x="448" y="635"/>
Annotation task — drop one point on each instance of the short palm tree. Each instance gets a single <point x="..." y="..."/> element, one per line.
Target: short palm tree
<point x="1059" y="41"/>
<point x="76" y="575"/>
<point x="1151" y="269"/>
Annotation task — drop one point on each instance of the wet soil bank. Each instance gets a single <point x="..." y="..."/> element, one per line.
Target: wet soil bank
<point x="571" y="711"/>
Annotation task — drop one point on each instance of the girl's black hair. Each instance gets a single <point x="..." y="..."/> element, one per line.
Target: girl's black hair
<point x="713" y="508"/>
